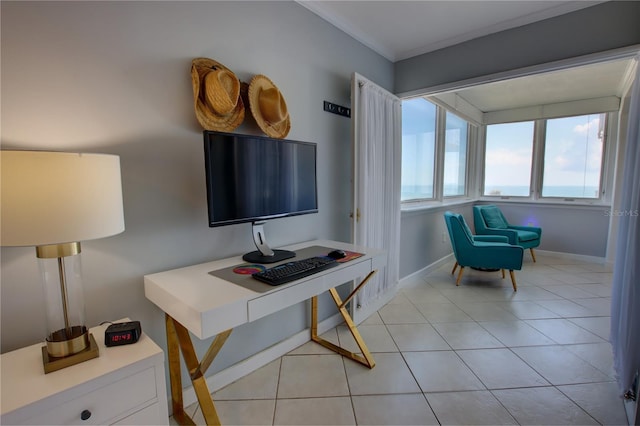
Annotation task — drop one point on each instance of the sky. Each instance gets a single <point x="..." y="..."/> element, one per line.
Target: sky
<point x="573" y="152"/>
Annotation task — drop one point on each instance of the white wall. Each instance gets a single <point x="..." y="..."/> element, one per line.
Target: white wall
<point x="114" y="77"/>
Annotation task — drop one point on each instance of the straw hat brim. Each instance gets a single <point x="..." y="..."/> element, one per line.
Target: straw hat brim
<point x="274" y="130"/>
<point x="207" y="118"/>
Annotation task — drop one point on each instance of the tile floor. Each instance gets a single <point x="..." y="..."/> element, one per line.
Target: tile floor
<point x="477" y="354"/>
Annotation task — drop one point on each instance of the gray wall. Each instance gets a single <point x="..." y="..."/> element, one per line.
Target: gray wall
<point x="581" y="230"/>
<point x="114" y="77"/>
<point x="599" y="28"/>
<point x="424" y="238"/>
<point x="567" y="229"/>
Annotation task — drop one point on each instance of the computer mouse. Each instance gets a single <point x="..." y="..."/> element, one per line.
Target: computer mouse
<point x="337" y="254"/>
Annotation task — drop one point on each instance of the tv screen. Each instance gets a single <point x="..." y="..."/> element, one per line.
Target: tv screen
<point x="254" y="178"/>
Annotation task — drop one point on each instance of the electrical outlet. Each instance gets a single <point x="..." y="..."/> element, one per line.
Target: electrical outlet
<point x="444" y="237"/>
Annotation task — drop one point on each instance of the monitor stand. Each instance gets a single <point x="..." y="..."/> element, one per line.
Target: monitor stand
<point x="264" y="254"/>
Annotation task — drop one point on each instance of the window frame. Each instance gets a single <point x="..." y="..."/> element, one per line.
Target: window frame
<point x="537" y="165"/>
<point x="439" y="154"/>
<point x="602" y="160"/>
<point x="438" y="126"/>
<point x="482" y="159"/>
<point x="466" y="153"/>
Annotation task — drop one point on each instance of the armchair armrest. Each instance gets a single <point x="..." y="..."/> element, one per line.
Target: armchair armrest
<point x="491" y="238"/>
<point x="511" y="234"/>
<point x="535" y="229"/>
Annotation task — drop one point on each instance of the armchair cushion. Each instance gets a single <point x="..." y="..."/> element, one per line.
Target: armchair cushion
<point x="527" y="235"/>
<point x="493" y="218"/>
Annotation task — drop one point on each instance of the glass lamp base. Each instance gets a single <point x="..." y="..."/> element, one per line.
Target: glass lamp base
<point x="52" y="363"/>
<point x="68" y="341"/>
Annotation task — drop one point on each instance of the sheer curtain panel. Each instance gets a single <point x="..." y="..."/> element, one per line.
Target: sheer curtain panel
<point x="377" y="158"/>
<point x="625" y="298"/>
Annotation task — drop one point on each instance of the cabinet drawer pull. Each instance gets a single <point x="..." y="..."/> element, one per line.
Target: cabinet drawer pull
<point x="85" y="415"/>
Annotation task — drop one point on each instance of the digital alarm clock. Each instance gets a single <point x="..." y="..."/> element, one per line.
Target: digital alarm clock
<point x="122" y="333"/>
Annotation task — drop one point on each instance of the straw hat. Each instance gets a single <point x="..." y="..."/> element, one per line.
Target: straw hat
<point x="268" y="107"/>
<point x="216" y="95"/>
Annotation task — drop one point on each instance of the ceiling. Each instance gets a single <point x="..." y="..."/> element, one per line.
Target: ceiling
<point x="592" y="81"/>
<point x="402" y="29"/>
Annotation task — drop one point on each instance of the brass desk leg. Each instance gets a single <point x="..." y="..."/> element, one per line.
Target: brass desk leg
<point x="178" y="340"/>
<point x="366" y="358"/>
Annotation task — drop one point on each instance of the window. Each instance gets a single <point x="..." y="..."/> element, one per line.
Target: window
<point x="508" y="159"/>
<point x="560" y="157"/>
<point x="455" y="156"/>
<point x="435" y="145"/>
<point x="573" y="156"/>
<point x="418" y="149"/>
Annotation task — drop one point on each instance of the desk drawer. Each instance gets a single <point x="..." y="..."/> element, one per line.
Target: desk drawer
<point x="106" y="404"/>
<point x="312" y="286"/>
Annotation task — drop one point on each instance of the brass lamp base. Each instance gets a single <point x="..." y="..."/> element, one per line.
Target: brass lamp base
<point x="54" y="364"/>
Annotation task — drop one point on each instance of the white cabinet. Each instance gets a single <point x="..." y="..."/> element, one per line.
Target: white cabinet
<point x="124" y="385"/>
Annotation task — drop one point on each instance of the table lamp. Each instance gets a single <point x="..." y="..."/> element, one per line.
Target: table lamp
<point x="54" y="200"/>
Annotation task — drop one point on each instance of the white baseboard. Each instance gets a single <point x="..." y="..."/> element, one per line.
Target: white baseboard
<point x="362" y="313"/>
<point x="572" y="256"/>
<point x="229" y="375"/>
<point x="406" y="281"/>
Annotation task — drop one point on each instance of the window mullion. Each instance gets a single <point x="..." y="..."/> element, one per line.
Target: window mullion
<point x="438" y="179"/>
<point x="468" y="167"/>
<point x="480" y="160"/>
<point x="537" y="165"/>
<point x="608" y="157"/>
<point x="473" y="159"/>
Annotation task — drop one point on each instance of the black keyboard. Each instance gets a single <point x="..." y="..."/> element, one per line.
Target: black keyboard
<point x="294" y="270"/>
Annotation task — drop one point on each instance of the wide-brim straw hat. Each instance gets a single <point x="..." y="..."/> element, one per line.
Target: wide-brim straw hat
<point x="268" y="107"/>
<point x="216" y="95"/>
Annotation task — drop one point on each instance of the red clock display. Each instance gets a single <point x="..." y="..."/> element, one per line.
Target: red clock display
<point x="122" y="333"/>
<point x="127" y="335"/>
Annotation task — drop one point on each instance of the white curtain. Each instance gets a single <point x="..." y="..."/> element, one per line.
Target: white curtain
<point x="378" y="150"/>
<point x="625" y="298"/>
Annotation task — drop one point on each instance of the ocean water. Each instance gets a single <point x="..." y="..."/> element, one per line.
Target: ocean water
<point x="416" y="192"/>
<point x="548" y="191"/>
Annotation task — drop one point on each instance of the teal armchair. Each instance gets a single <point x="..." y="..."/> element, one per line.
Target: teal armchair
<point x="489" y="220"/>
<point x="481" y="251"/>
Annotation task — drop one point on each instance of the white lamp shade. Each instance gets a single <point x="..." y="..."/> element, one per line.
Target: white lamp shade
<point x="58" y="197"/>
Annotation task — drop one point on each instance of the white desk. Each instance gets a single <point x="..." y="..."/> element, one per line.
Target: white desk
<point x="195" y="300"/>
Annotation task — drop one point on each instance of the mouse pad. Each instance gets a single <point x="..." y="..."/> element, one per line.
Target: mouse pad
<point x="241" y="274"/>
<point x="350" y="255"/>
